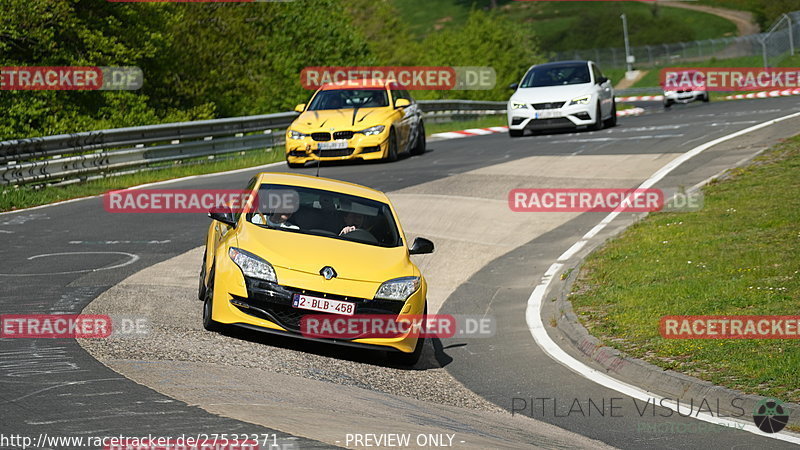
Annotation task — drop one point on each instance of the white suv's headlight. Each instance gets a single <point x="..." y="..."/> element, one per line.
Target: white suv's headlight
<point x="398" y="289"/>
<point x="580" y="100"/>
<point x="297" y="135"/>
<point x="519" y="106"/>
<point x="252" y="265"/>
<point x="377" y="129"/>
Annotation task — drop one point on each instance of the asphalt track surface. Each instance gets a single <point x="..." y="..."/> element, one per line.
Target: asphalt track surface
<point x="52" y="261"/>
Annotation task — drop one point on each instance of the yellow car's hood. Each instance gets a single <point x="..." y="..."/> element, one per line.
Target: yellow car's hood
<point x="341" y="119"/>
<point x="309" y="254"/>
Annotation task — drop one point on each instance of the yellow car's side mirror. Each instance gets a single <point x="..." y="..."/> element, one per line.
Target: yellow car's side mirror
<point x="300" y="108"/>
<point x="401" y="103"/>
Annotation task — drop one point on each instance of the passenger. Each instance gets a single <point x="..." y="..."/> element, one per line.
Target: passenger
<point x="275" y="220"/>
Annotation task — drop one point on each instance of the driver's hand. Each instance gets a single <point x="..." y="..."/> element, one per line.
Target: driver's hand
<point x="346" y="230"/>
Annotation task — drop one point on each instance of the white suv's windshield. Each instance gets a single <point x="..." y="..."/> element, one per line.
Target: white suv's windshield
<point x="557" y="75"/>
<point x="325" y="213"/>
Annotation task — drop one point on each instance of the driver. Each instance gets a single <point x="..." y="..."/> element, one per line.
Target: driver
<point x="352" y="221"/>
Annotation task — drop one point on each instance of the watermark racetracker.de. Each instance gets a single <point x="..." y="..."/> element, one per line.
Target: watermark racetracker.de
<point x="438" y="78"/>
<point x="75" y="78"/>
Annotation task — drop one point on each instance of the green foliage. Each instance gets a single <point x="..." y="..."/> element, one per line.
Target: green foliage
<point x="205" y="60"/>
<point x="484" y="40"/>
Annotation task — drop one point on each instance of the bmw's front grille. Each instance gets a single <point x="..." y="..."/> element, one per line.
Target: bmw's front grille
<point x="334" y="152"/>
<point x="321" y="137"/>
<point x="343" y="135"/>
<point x="553" y="105"/>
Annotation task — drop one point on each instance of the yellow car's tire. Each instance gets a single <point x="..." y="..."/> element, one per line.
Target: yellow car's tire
<point x="419" y="145"/>
<point x="295" y="165"/>
<point x="208" y="304"/>
<point x="392" y="151"/>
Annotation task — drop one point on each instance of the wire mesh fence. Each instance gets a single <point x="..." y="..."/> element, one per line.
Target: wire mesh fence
<point x="774" y="45"/>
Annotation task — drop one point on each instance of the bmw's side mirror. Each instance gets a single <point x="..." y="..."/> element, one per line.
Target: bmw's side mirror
<point x="401" y="103"/>
<point x="224" y="217"/>
<point x="421" y="246"/>
<point x="300" y="108"/>
<point x="513" y="86"/>
<point x="602" y="80"/>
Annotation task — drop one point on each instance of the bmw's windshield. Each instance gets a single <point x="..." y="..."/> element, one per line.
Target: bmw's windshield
<point x="325" y="213"/>
<point x="349" y="99"/>
<point x="557" y="75"/>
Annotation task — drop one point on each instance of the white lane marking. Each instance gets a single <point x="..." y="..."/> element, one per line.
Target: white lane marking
<point x="6" y="232"/>
<point x="131" y="259"/>
<point x="20" y="220"/>
<point x="539" y="332"/>
<point x="607" y="139"/>
<point x="174" y="180"/>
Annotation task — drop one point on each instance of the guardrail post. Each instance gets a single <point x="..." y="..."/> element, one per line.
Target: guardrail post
<point x="791" y="34"/>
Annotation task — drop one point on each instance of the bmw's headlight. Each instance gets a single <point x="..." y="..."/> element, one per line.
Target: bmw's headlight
<point x="519" y="106"/>
<point x="252" y="265"/>
<point x="377" y="129"/>
<point x="398" y="289"/>
<point x="297" y="135"/>
<point x="669" y="92"/>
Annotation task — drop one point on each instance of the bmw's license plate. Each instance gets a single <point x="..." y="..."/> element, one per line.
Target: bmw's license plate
<point x="323" y="305"/>
<point x="339" y="144"/>
<point x="547" y="114"/>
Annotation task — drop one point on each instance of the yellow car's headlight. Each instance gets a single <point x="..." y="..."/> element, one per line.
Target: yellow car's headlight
<point x="519" y="106"/>
<point x="398" y="289"/>
<point x="252" y="266"/>
<point x="581" y="100"/>
<point x="371" y="131"/>
<point x="297" y="135"/>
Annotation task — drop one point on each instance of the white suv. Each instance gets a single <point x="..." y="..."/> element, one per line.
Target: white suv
<point x="564" y="94"/>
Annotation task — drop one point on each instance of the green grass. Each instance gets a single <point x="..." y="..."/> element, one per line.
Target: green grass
<point x="736" y="256"/>
<point x="12" y="198"/>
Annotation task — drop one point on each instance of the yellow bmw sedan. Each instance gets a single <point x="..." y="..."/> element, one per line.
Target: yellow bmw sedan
<point x="356" y="120"/>
<point x="303" y="250"/>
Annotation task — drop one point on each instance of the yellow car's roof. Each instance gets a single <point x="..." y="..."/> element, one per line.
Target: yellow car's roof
<point x="326" y="184"/>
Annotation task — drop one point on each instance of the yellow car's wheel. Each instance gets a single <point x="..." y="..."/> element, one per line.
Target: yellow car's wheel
<point x="208" y="305"/>
<point x="392" y="156"/>
<point x="419" y="145"/>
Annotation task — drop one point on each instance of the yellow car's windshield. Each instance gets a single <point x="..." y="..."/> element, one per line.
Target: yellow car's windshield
<point x="325" y="213"/>
<point x="349" y="99"/>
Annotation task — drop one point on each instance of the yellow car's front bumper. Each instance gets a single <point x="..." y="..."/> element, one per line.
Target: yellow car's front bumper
<point x="299" y="151"/>
<point x="267" y="307"/>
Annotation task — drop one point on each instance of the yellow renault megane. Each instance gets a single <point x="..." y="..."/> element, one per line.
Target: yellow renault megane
<point x="356" y="120"/>
<point x="305" y="246"/>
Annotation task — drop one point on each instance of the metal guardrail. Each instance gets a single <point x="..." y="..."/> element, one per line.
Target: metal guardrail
<point x="76" y="157"/>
